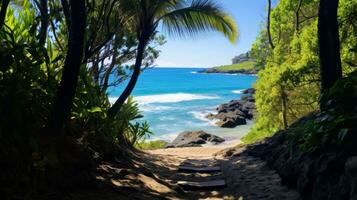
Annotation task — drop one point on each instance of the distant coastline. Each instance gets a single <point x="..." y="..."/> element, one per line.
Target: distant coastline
<point x="245" y="67"/>
<point x="217" y="71"/>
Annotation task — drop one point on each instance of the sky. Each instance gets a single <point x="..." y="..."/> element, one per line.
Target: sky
<point x="213" y="49"/>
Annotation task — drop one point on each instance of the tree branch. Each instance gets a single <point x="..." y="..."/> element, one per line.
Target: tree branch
<point x="268" y="25"/>
<point x="4" y="6"/>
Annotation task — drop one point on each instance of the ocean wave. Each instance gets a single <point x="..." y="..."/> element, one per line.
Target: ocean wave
<point x="171" y="98"/>
<point x="152" y="108"/>
<point x="238" y="91"/>
<point x="166" y="98"/>
<point x="202" y="117"/>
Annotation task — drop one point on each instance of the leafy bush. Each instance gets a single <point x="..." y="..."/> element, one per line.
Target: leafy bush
<point x="151" y="145"/>
<point x="288" y="87"/>
<point x="336" y="127"/>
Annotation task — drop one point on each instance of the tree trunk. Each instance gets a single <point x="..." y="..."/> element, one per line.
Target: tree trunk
<point x="4" y="6"/>
<point x="66" y="11"/>
<point x="109" y="71"/>
<point x="134" y="78"/>
<point x="297" y="16"/>
<point x="329" y="44"/>
<point x="44" y="22"/>
<point x="284" y="108"/>
<point x="66" y="91"/>
<point x="268" y="26"/>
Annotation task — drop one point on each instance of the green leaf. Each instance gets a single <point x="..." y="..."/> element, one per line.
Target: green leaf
<point x="95" y="110"/>
<point x="342" y="134"/>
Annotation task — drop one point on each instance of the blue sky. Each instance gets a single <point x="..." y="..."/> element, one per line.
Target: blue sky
<point x="213" y="49"/>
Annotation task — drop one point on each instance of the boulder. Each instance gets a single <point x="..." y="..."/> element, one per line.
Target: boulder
<point x="235" y="112"/>
<point x="232" y="122"/>
<point x="194" y="139"/>
<point x="250" y="91"/>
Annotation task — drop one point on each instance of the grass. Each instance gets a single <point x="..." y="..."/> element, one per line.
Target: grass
<point x="151" y="145"/>
<point x="247" y="65"/>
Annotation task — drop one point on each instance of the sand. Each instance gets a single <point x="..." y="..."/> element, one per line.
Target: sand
<point x="206" y="151"/>
<point x="154" y="175"/>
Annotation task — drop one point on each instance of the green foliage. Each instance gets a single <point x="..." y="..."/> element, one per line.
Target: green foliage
<point x="179" y="17"/>
<point x="29" y="77"/>
<point x="335" y="128"/>
<point x="288" y="87"/>
<point x="151" y="145"/>
<point x="247" y="65"/>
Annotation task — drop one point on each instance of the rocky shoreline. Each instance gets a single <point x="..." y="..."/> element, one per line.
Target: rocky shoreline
<point x="235" y="112"/>
<point x="229" y="115"/>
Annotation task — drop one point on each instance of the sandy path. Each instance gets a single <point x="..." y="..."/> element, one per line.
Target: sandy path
<point x="153" y="175"/>
<point x="247" y="177"/>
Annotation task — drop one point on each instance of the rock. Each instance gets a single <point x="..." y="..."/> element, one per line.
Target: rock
<point x="351" y="168"/>
<point x="194" y="139"/>
<point x="235" y="112"/>
<point x="250" y="91"/>
<point x="232" y="122"/>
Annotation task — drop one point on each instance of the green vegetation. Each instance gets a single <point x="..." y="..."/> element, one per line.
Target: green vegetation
<point x="151" y="145"/>
<point x="335" y="127"/>
<point x="58" y="59"/>
<point x="247" y="65"/>
<point x="288" y="87"/>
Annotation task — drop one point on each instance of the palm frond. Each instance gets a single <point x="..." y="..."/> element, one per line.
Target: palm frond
<point x="199" y="16"/>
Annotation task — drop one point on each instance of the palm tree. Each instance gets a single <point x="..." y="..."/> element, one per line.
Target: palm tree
<point x="177" y="17"/>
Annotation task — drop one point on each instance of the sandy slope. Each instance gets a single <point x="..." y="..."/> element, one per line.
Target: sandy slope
<point x="247" y="177"/>
<point x="153" y="175"/>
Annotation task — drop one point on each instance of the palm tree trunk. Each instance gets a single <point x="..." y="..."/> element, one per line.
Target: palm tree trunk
<point x="4" y="6"/>
<point x="67" y="88"/>
<point x="329" y="44"/>
<point x="134" y="78"/>
<point x="268" y="26"/>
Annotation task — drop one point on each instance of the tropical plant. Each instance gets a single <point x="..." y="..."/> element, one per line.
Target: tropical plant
<point x="289" y="86"/>
<point x="177" y="17"/>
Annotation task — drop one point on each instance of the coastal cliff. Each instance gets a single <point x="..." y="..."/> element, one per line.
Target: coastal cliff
<point x="241" y="64"/>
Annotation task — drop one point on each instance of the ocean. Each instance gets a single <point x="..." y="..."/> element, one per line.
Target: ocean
<point x="174" y="100"/>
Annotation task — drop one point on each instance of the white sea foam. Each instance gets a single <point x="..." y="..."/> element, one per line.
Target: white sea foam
<point x="152" y="108"/>
<point x="202" y="116"/>
<point x="238" y="91"/>
<point x="171" y="98"/>
<point x="166" y="98"/>
<point x="193" y="72"/>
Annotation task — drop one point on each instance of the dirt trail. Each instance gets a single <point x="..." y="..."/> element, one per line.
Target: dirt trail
<point x="154" y="175"/>
<point x="246" y="177"/>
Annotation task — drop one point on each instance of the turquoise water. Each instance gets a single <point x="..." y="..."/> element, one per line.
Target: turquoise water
<point x="174" y="100"/>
